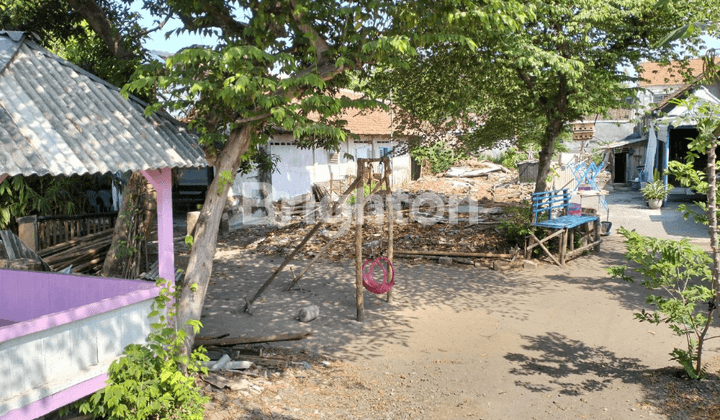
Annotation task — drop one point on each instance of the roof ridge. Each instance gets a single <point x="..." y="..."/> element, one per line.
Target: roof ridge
<point x="17" y="39"/>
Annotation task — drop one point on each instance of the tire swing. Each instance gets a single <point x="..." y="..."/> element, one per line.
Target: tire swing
<point x="368" y="277"/>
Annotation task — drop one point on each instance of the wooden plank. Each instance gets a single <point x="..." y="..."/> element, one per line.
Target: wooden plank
<point x="539" y="243"/>
<point x="69" y="244"/>
<point x="277" y="362"/>
<point x="455" y="254"/>
<point x="233" y="341"/>
<point x="578" y="251"/>
<point x="284" y="263"/>
<point x="73" y="255"/>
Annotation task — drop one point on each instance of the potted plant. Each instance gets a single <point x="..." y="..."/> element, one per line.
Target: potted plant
<point x="655" y="193"/>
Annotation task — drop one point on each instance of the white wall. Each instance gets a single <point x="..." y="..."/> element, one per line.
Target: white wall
<point x="247" y="185"/>
<point x="299" y="168"/>
<point x="44" y="363"/>
<point x="293" y="176"/>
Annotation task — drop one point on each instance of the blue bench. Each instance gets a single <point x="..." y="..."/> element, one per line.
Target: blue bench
<point x="551" y="211"/>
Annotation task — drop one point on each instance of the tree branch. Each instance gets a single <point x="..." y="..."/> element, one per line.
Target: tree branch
<point x="157" y="28"/>
<point x="318" y="42"/>
<point x="525" y="78"/>
<point x="251" y="119"/>
<point x="213" y="16"/>
<point x="102" y="26"/>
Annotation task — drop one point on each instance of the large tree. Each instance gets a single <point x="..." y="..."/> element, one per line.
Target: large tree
<point x="277" y="64"/>
<point x="562" y="60"/>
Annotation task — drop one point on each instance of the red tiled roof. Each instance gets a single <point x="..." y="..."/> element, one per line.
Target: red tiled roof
<point x="657" y="74"/>
<point x="372" y="122"/>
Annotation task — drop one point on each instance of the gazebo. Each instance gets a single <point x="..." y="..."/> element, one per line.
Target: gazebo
<point x="59" y="333"/>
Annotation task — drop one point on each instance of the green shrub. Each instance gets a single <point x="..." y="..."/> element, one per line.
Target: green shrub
<point x="439" y="155"/>
<point x="147" y="381"/>
<point x="516" y="223"/>
<point x="679" y="272"/>
<point x="367" y="189"/>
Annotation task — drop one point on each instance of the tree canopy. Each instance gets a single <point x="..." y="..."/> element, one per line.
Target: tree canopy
<point x="557" y="61"/>
<point x="506" y="69"/>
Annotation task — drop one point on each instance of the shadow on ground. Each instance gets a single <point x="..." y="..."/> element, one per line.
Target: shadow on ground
<point x="570" y="367"/>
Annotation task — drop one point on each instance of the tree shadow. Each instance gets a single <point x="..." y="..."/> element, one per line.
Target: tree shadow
<point x="570" y="367"/>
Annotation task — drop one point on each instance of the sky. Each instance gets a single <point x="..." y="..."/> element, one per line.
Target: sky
<point x="157" y="40"/>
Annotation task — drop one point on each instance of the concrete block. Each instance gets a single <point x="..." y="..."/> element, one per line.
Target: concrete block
<point x="85" y="346"/>
<point x="445" y="260"/>
<point x="500" y="265"/>
<point x="22" y="368"/>
<point x="530" y="265"/>
<point x="109" y="333"/>
<point x="308" y="313"/>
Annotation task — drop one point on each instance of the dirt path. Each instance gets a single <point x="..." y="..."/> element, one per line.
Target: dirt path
<point x="458" y="342"/>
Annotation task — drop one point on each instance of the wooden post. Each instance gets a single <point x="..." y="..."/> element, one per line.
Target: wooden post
<point x="571" y="234"/>
<point x="563" y="246"/>
<point x="305" y="240"/>
<point x="289" y="258"/>
<point x="596" y="236"/>
<point x="28" y="231"/>
<point x="390" y="215"/>
<point x="359" y="204"/>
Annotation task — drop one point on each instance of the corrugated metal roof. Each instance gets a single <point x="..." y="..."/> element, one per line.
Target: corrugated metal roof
<point x="58" y="119"/>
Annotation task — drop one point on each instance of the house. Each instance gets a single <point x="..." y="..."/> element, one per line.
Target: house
<point x="658" y="81"/>
<point x="674" y="127"/>
<point x="59" y="333"/>
<point x="299" y="169"/>
<point x="620" y="134"/>
<point x="663" y="134"/>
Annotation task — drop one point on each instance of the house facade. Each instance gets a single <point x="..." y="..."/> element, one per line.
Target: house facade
<point x="625" y="134"/>
<point x="299" y="169"/>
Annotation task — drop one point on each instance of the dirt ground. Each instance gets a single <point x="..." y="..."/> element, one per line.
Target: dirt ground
<point x="457" y="342"/>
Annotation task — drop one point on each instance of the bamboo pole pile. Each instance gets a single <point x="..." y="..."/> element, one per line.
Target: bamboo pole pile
<point x="85" y="253"/>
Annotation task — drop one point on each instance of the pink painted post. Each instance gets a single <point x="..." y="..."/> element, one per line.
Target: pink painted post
<point x="161" y="181"/>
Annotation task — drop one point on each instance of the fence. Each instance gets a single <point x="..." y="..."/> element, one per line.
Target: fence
<point x="40" y="232"/>
<point x="563" y="178"/>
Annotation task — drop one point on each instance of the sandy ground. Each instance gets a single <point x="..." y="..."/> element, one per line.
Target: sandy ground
<point x="465" y="342"/>
<point x="460" y="341"/>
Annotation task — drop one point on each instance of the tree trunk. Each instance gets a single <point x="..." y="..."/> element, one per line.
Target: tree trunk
<point x="555" y="122"/>
<point x="133" y="225"/>
<point x="552" y="132"/>
<point x="200" y="265"/>
<point x="712" y="215"/>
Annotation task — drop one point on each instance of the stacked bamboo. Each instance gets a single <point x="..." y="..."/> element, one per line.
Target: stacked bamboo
<point x="320" y="192"/>
<point x="85" y="253"/>
<point x="301" y="206"/>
